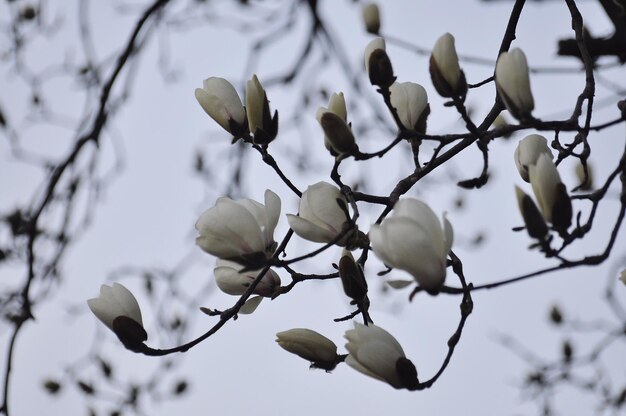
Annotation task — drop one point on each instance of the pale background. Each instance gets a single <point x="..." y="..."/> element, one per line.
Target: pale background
<point x="146" y="217"/>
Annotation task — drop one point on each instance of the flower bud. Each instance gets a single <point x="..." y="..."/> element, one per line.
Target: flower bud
<point x="338" y="133"/>
<point x="513" y="83"/>
<point x="500" y="123"/>
<point x="527" y="152"/>
<point x="586" y="180"/>
<point x="535" y="224"/>
<point x="322" y="214"/>
<point x="551" y="193"/>
<point x="411" y="103"/>
<point x="233" y="279"/>
<point x="342" y="140"/>
<point x="376" y="353"/>
<point x="262" y="125"/>
<point x="444" y="68"/>
<point x="371" y="18"/>
<point x="377" y="64"/>
<point x="117" y="308"/>
<point x="352" y="278"/>
<point x="310" y="345"/>
<point x="218" y="99"/>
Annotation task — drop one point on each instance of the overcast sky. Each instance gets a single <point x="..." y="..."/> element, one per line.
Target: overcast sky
<point x="146" y="217"/>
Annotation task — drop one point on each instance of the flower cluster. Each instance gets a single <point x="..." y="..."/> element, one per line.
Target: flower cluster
<point x="219" y="99"/>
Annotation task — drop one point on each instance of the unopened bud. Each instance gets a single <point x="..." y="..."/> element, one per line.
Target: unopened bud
<point x="371" y="18"/>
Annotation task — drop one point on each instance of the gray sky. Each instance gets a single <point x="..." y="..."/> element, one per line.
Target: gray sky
<point x="146" y="217"/>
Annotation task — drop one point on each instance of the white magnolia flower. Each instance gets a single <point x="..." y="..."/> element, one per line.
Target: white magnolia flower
<point x="444" y="67"/>
<point x="371" y="18"/>
<point x="232" y="280"/>
<point x="528" y="151"/>
<point x="219" y="100"/>
<point x="411" y="102"/>
<point x="117" y="308"/>
<point x="545" y="180"/>
<point x="335" y="141"/>
<point x="413" y="240"/>
<point x="260" y="121"/>
<point x="321" y="219"/>
<point x="375" y="353"/>
<point x="236" y="229"/>
<point x="115" y="301"/>
<point x="308" y="344"/>
<point x="513" y="83"/>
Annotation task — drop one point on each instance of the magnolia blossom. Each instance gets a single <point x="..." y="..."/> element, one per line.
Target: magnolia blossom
<point x="260" y="121"/>
<point x="321" y="216"/>
<point x="528" y="151"/>
<point x="239" y="230"/>
<point x="219" y="100"/>
<point x="233" y="279"/>
<point x="411" y="103"/>
<point x="308" y="344"/>
<point x="376" y="353"/>
<point x="117" y="308"/>
<point x="338" y="137"/>
<point x="444" y="67"/>
<point x="550" y="193"/>
<point x="413" y="240"/>
<point x="377" y="64"/>
<point x="513" y="83"/>
<point x="371" y="18"/>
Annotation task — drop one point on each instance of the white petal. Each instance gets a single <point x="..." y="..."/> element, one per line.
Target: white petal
<point x="272" y="207"/>
<point x="444" y="54"/>
<point x="127" y="302"/>
<point x="377" y="43"/>
<point x="250" y="305"/>
<point x="310" y="231"/>
<point x="399" y="284"/>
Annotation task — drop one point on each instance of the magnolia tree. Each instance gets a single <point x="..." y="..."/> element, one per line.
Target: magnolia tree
<point x="364" y="227"/>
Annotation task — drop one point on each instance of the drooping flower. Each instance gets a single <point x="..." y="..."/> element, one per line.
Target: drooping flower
<point x="378" y="65"/>
<point x="233" y="279"/>
<point x="412" y="239"/>
<point x="371" y="18"/>
<point x="322" y="214"/>
<point x="338" y="137"/>
<point x="527" y="152"/>
<point x="411" y="102"/>
<point x="550" y="192"/>
<point x="513" y="83"/>
<point x="262" y="125"/>
<point x="219" y="100"/>
<point x="117" y="308"/>
<point x="376" y="353"/>
<point x="241" y="231"/>
<point x="310" y="345"/>
<point x="445" y="71"/>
